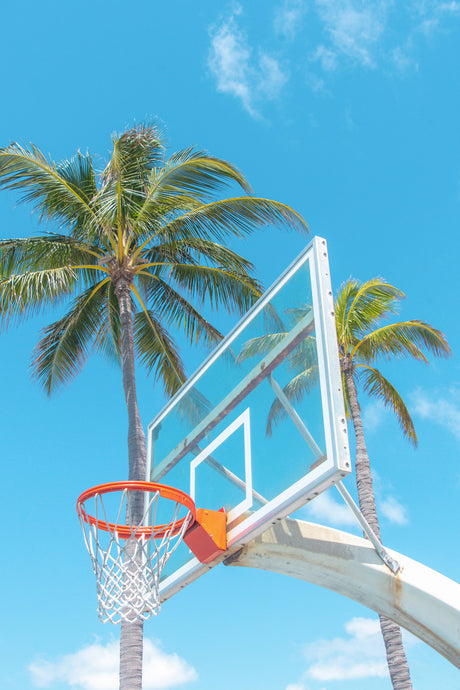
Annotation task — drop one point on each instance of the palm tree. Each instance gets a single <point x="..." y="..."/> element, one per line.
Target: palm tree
<point x="134" y="247"/>
<point x="363" y="339"/>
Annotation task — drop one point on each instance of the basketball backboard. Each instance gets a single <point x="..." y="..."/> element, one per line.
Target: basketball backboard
<point x="260" y="428"/>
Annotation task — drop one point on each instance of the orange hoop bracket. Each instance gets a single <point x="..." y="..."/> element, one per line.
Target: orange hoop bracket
<point x="125" y="531"/>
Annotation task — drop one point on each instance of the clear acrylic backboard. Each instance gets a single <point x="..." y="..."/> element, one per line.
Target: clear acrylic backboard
<point x="260" y="428"/>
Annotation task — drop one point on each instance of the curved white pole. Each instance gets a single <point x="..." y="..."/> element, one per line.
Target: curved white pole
<point x="417" y="598"/>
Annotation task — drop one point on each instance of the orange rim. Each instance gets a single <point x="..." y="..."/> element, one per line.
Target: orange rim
<point x="125" y="531"/>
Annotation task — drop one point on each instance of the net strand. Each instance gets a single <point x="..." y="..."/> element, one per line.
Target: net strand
<point x="128" y="570"/>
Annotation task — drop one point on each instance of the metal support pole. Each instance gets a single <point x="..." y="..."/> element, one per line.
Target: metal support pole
<point x="286" y="403"/>
<point x="368" y="531"/>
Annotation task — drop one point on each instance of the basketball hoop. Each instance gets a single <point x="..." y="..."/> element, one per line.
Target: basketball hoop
<point x="128" y="556"/>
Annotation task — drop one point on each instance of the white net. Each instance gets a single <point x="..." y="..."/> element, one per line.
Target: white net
<point x="128" y="558"/>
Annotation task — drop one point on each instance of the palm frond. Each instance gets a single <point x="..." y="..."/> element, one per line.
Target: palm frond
<point x="295" y="391"/>
<point x="379" y="387"/>
<point x="360" y="306"/>
<point x="65" y="345"/>
<point x="193" y="406"/>
<point x="188" y="177"/>
<point x="296" y="314"/>
<point x="194" y="250"/>
<point x="260" y="345"/>
<point x="50" y="251"/>
<point x="136" y="152"/>
<point x="170" y="306"/>
<point x="62" y="193"/>
<point x="305" y="354"/>
<point x="236" y="292"/>
<point x="25" y="294"/>
<point x="144" y="215"/>
<point x="407" y="338"/>
<point x="235" y="217"/>
<point x="157" y="351"/>
<point x="125" y="179"/>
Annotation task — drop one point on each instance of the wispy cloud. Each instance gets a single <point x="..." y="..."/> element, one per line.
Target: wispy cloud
<point x="359" y="655"/>
<point x="374" y="415"/>
<point x="271" y="77"/>
<point x="288" y="17"/>
<point x="433" y="13"/>
<point x="95" y="667"/>
<point x="402" y="59"/>
<point x="354" y="26"/>
<point x="325" y="509"/>
<point x="393" y="510"/>
<point x="427" y="19"/>
<point x="237" y="71"/>
<point x="326" y="57"/>
<point x="361" y="32"/>
<point x="229" y="62"/>
<point x="443" y="408"/>
<point x="388" y="506"/>
<point x="352" y="34"/>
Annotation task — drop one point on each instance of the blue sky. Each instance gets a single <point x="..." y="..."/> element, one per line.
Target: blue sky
<point x="344" y="109"/>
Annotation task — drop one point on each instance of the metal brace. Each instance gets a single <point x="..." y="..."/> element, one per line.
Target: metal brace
<point x="367" y="529"/>
<point x="286" y="403"/>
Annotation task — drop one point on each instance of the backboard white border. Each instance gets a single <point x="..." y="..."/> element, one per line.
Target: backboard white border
<point x="337" y="463"/>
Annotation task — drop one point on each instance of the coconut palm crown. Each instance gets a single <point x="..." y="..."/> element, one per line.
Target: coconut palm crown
<point x="363" y="340"/>
<point x="144" y="224"/>
<point x="136" y="249"/>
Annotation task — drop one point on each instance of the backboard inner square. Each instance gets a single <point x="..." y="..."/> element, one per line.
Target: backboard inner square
<point x="244" y="485"/>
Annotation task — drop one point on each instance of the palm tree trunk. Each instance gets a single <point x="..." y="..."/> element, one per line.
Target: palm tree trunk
<point x="391" y="632"/>
<point x="131" y="636"/>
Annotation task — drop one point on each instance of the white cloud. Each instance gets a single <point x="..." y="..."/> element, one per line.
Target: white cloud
<point x="393" y="510"/>
<point x="354" y="33"/>
<point x="403" y="60"/>
<point x="327" y="510"/>
<point x="324" y="509"/>
<point x="374" y="415"/>
<point x="364" y="33"/>
<point x="360" y="655"/>
<point x="427" y="17"/>
<point x="272" y="78"/>
<point x="428" y="26"/>
<point x="288" y="17"/>
<point x="318" y="85"/>
<point x="327" y="58"/>
<point x="95" y="667"/>
<point x="435" y="8"/>
<point x="237" y="72"/>
<point x="355" y="26"/>
<point x="450" y="7"/>
<point x="229" y="62"/>
<point x="442" y="408"/>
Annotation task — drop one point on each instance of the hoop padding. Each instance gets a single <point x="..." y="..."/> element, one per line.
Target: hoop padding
<point x="128" y="558"/>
